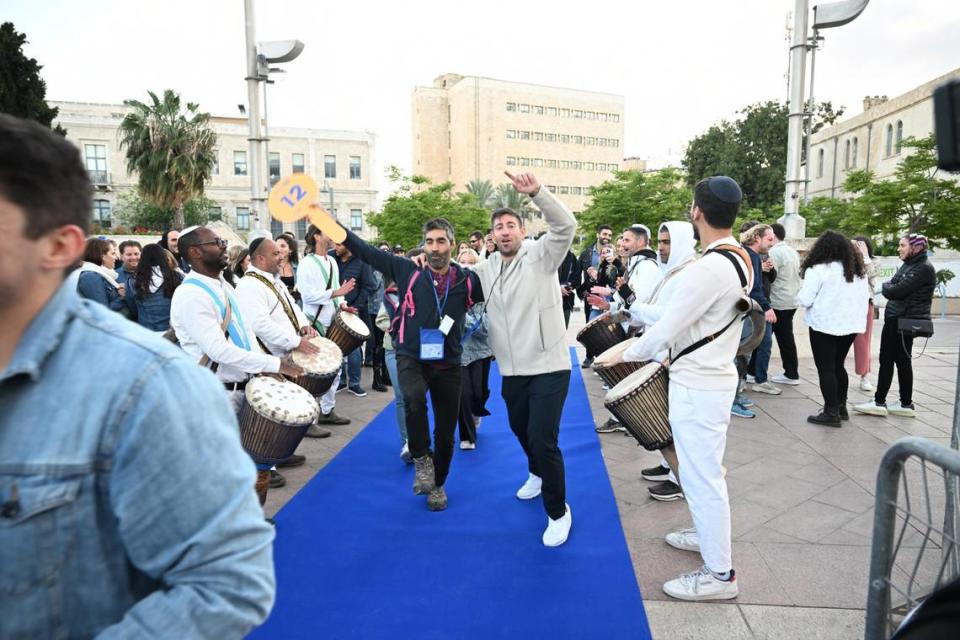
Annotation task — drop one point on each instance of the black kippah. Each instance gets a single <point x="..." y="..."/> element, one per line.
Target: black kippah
<point x="725" y="189"/>
<point x="256" y="244"/>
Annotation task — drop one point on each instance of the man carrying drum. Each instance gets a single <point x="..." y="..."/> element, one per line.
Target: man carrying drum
<point x="199" y="307"/>
<point x="427" y="333"/>
<point x="274" y="316"/>
<point x="318" y="281"/>
<point x="701" y="320"/>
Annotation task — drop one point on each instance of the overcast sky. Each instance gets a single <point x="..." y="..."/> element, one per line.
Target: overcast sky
<point x="681" y="64"/>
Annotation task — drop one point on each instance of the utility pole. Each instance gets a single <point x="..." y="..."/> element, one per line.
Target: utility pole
<point x="255" y="162"/>
<point x="793" y="222"/>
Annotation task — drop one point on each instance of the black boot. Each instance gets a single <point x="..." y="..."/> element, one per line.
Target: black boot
<point x="378" y="380"/>
<point x="829" y="417"/>
<point x="844" y="414"/>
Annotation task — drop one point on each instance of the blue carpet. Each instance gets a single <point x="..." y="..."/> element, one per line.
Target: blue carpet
<point x="359" y="556"/>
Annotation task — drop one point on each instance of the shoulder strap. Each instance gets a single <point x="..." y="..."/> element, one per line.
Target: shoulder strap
<point x="287" y="309"/>
<point x="728" y="251"/>
<point x="408" y="306"/>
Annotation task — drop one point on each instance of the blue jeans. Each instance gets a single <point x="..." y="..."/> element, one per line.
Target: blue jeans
<point x="762" y="355"/>
<point x="390" y="356"/>
<point x="351" y="370"/>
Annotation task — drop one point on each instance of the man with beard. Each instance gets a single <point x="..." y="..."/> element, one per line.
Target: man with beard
<point x="171" y="242"/>
<point x="428" y="329"/>
<point x="197" y="312"/>
<point x="589" y="263"/>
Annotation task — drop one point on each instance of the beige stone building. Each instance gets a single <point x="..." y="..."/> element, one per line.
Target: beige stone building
<point x="471" y="128"/>
<point x="871" y="139"/>
<point x="342" y="161"/>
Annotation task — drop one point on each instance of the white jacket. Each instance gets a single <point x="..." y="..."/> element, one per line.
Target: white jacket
<point x="524" y="306"/>
<point x="833" y="305"/>
<point x="265" y="314"/>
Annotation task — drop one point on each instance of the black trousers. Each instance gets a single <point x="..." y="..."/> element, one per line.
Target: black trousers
<point x="566" y="316"/>
<point x="416" y="378"/>
<point x="534" y="405"/>
<point x="373" y="349"/>
<point x="829" y="352"/>
<point x="895" y="349"/>
<point x="473" y="397"/>
<point x="783" y="330"/>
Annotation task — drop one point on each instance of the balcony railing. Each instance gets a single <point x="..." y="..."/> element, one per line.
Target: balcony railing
<point x="100" y="178"/>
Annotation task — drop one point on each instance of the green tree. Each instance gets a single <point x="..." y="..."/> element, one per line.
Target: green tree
<point x="483" y="191"/>
<point x="415" y="201"/>
<point x="916" y="199"/>
<point x="752" y="150"/>
<point x="170" y="148"/>
<point x="823" y="213"/>
<point x="506" y="197"/>
<point x="633" y="196"/>
<point x="139" y="214"/>
<point x="22" y="90"/>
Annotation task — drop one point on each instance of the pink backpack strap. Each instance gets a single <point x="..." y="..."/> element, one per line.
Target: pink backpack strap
<point x="408" y="305"/>
<point x="469" y="292"/>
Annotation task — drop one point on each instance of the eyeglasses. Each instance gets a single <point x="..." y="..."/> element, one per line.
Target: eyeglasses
<point x="220" y="242"/>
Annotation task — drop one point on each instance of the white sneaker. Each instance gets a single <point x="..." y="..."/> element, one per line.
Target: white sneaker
<point x="558" y="530"/>
<point x="530" y="488"/>
<point x="405" y="454"/>
<point x="865" y="384"/>
<point x="871" y="408"/>
<point x="701" y="585"/>
<point x="767" y="387"/>
<point x="782" y="379"/>
<point x="897" y="409"/>
<point x="685" y="540"/>
<point x="751" y="379"/>
<point x="466" y="445"/>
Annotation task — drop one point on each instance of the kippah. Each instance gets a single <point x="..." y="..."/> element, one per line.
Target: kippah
<point x="190" y="229"/>
<point x="637" y="227"/>
<point x="725" y="189"/>
<point x="256" y="244"/>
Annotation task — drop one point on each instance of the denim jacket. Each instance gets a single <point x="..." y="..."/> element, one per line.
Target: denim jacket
<point x="127" y="507"/>
<point x="152" y="311"/>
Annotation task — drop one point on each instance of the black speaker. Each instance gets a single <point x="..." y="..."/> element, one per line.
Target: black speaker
<point x="946" y="117"/>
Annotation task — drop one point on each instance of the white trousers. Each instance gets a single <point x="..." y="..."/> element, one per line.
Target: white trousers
<point x="329" y="399"/>
<point x="699" y="420"/>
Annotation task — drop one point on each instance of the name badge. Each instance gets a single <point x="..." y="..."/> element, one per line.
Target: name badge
<point x="431" y="344"/>
<point x="446" y="324"/>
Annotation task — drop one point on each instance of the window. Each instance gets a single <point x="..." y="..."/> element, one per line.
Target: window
<point x="820" y="163"/>
<point x="243" y="218"/>
<point x="899" y="135"/>
<point x="511" y="160"/>
<point x="565" y="139"/>
<point x="552" y="111"/>
<point x="297" y="162"/>
<point x="538" y="109"/>
<point x="576" y="191"/>
<point x="524" y="108"/>
<point x="853" y="158"/>
<point x="216" y="213"/>
<point x="551" y="137"/>
<point x="240" y="163"/>
<point x="511" y="134"/>
<point x="615" y="116"/>
<point x="590" y="115"/>
<point x="329" y="166"/>
<point x="101" y="213"/>
<point x="589" y="166"/>
<point x="276" y="227"/>
<point x="538" y="135"/>
<point x="524" y="135"/>
<point x="615" y="142"/>
<point x="511" y="106"/>
<point x="354" y="167"/>
<point x="575" y="164"/>
<point x="552" y="164"/>
<point x="590" y="140"/>
<point x="564" y="164"/>
<point x="564" y="190"/>
<point x="578" y="114"/>
<point x="95" y="156"/>
<point x="356" y="219"/>
<point x="524" y="162"/>
<point x="846" y="155"/>
<point x="215" y="171"/>
<point x="889" y="140"/>
<point x="602" y="117"/>
<point x="301" y="228"/>
<point x="274" y="161"/>
<point x="577" y="139"/>
<point x="564" y="113"/>
<point x="551" y="188"/>
<point x="538" y="162"/>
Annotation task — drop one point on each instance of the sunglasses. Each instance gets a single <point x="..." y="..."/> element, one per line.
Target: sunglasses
<point x="220" y="242"/>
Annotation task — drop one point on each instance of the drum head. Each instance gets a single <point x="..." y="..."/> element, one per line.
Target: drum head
<point x="326" y="362"/>
<point x="633" y="381"/>
<point x="353" y="322"/>
<point x="603" y="360"/>
<point x="281" y="401"/>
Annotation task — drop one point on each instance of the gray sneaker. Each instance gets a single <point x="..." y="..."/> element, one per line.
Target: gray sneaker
<point x="767" y="387"/>
<point x="610" y="426"/>
<point x="423" y="479"/>
<point x="437" y="500"/>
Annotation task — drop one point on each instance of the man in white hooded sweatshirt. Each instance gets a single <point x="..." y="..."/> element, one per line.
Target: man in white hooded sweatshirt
<point x="676" y="249"/>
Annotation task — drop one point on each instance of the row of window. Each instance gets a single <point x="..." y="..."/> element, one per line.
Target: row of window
<point x="562" y="112"/>
<point x="562" y="190"/>
<point x="562" y="164"/>
<point x="851" y="148"/>
<point x="562" y="138"/>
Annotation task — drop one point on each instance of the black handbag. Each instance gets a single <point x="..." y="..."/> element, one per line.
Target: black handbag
<point x="915" y="327"/>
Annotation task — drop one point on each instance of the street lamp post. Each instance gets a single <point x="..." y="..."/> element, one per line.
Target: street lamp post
<point x="328" y="188"/>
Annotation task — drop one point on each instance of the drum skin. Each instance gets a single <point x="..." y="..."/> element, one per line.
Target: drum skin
<point x="640" y="403"/>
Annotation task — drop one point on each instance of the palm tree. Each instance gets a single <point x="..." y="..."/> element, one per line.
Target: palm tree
<point x="482" y="190"/>
<point x="170" y="149"/>
<point x="508" y="197"/>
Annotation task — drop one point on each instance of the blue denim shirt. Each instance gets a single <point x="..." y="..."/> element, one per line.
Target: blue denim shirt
<point x="152" y="311"/>
<point x="94" y="286"/>
<point x="127" y="507"/>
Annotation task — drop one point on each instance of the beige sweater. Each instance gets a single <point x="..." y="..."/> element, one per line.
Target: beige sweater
<point x="524" y="306"/>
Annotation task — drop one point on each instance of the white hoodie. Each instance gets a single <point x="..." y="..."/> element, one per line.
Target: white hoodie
<point x="682" y="252"/>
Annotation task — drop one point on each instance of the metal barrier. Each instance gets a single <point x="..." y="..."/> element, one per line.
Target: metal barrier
<point x="915" y="549"/>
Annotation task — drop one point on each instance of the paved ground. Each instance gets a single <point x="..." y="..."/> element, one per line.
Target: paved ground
<point x="801" y="501"/>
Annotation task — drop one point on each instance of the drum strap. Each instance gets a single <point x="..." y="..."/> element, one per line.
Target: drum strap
<point x="409" y="307"/>
<point x="287" y="309"/>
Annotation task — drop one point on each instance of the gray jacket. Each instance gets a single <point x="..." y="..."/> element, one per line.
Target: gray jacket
<point x="477" y="346"/>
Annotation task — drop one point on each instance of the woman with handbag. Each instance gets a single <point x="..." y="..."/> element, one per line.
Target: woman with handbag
<point x="909" y="296"/>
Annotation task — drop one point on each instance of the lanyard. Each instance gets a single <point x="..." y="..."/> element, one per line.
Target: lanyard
<point x="446" y="294"/>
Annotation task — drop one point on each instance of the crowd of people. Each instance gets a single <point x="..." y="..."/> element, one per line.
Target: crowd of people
<point x="175" y="537"/>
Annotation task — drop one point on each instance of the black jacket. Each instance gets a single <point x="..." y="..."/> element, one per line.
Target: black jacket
<point x="401" y="270"/>
<point x="586" y="261"/>
<point x="570" y="273"/>
<point x="365" y="287"/>
<point x="909" y="292"/>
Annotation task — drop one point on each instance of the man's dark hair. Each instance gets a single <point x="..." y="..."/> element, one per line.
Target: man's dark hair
<point x="476" y="234"/>
<point x="779" y="231"/>
<point x="95" y="250"/>
<point x="639" y="231"/>
<point x="505" y="211"/>
<point x="128" y="243"/>
<point x="154" y="256"/>
<point x="604" y="227"/>
<point x="719" y="198"/>
<point x="439" y="223"/>
<point x="416" y="251"/>
<point x="165" y="241"/>
<point x="43" y="174"/>
<point x="865" y="240"/>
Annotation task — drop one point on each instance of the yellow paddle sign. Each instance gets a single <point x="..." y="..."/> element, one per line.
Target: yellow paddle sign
<point x="295" y="197"/>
